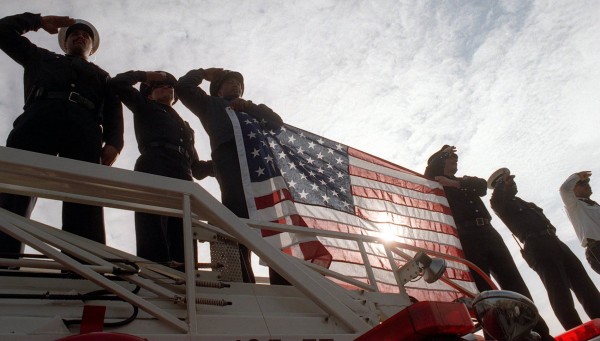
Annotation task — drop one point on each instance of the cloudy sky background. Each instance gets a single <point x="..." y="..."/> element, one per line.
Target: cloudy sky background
<point x="510" y="83"/>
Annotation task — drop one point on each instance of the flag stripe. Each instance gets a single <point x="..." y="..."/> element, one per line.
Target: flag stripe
<point x="401" y="182"/>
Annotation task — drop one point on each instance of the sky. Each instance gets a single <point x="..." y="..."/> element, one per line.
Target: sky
<point x="509" y="83"/>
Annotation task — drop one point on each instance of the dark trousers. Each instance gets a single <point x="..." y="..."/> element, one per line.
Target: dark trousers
<point x="484" y="246"/>
<point x="160" y="238"/>
<point x="228" y="174"/>
<point x="561" y="271"/>
<point x="592" y="254"/>
<point x="51" y="129"/>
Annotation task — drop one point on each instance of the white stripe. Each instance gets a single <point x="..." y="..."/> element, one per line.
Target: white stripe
<point x="241" y="149"/>
<point x="363" y="182"/>
<point x="354" y="161"/>
<point x="268" y="186"/>
<point x="279" y="210"/>
<point x="286" y="239"/>
<point x="392" y="208"/>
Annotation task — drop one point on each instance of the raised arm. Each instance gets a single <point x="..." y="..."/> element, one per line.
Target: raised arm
<point x="12" y="28"/>
<point x="500" y="196"/>
<point x="190" y="94"/>
<point x="566" y="189"/>
<point x="123" y="85"/>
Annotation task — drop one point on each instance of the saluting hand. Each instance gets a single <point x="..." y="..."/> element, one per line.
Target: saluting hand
<point x="213" y="74"/>
<point x="51" y="23"/>
<point x="152" y="76"/>
<point x="450" y="150"/>
<point x="584" y="175"/>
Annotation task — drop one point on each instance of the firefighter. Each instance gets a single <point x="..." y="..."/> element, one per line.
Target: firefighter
<point x="481" y="243"/>
<point x="69" y="110"/>
<point x="166" y="145"/>
<point x="584" y="214"/>
<point x="226" y="90"/>
<point x="559" y="269"/>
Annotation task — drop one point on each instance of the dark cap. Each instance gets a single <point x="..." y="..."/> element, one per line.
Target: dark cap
<point x="497" y="175"/>
<point x="216" y="85"/>
<point x="146" y="88"/>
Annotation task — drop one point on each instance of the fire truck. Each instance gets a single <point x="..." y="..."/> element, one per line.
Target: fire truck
<point x="75" y="289"/>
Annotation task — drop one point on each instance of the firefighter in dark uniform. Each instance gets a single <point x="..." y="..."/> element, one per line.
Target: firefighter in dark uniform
<point x="226" y="90"/>
<point x="481" y="243"/>
<point x="166" y="145"/>
<point x="69" y="111"/>
<point x="559" y="269"/>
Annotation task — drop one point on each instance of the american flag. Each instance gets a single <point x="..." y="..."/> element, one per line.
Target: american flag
<point x="292" y="176"/>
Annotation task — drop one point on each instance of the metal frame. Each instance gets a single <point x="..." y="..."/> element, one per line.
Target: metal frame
<point x="46" y="176"/>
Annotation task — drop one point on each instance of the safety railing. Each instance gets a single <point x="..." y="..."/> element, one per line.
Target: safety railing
<point x="50" y="177"/>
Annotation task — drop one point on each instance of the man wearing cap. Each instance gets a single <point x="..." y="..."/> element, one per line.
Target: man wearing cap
<point x="481" y="243"/>
<point x="69" y="110"/>
<point x="559" y="269"/>
<point x="584" y="214"/>
<point x="226" y="90"/>
<point x="166" y="145"/>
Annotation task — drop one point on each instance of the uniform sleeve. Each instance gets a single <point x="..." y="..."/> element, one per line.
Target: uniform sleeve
<point x="123" y="84"/>
<point x="566" y="190"/>
<point x="473" y="184"/>
<point x="190" y="94"/>
<point x="500" y="198"/>
<point x="12" y="42"/>
<point x="113" y="120"/>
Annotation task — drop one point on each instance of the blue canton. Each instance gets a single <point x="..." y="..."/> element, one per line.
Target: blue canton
<point x="315" y="169"/>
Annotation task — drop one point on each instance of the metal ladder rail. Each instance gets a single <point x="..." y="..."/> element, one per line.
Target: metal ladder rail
<point x="103" y="184"/>
<point x="42" y="242"/>
<point x="394" y="246"/>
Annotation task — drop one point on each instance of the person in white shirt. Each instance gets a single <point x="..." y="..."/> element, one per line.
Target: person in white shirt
<point x="584" y="214"/>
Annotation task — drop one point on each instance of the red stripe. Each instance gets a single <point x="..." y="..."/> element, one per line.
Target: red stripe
<point x="409" y="222"/>
<point x="420" y="294"/>
<point x="343" y="256"/>
<point x="388" y="179"/>
<point x="429" y="245"/>
<point x="272" y="199"/>
<point x="296" y="220"/>
<point x="371" y="193"/>
<point x="404" y="221"/>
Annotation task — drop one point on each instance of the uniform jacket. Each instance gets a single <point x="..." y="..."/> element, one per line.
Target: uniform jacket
<point x="585" y="217"/>
<point x="153" y="122"/>
<point x="465" y="202"/>
<point x="524" y="219"/>
<point x="46" y="71"/>
<point x="211" y="110"/>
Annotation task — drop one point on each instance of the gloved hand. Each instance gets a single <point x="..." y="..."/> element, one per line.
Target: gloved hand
<point x="202" y="169"/>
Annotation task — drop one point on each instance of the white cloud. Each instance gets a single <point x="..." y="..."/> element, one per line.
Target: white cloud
<point x="510" y="83"/>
